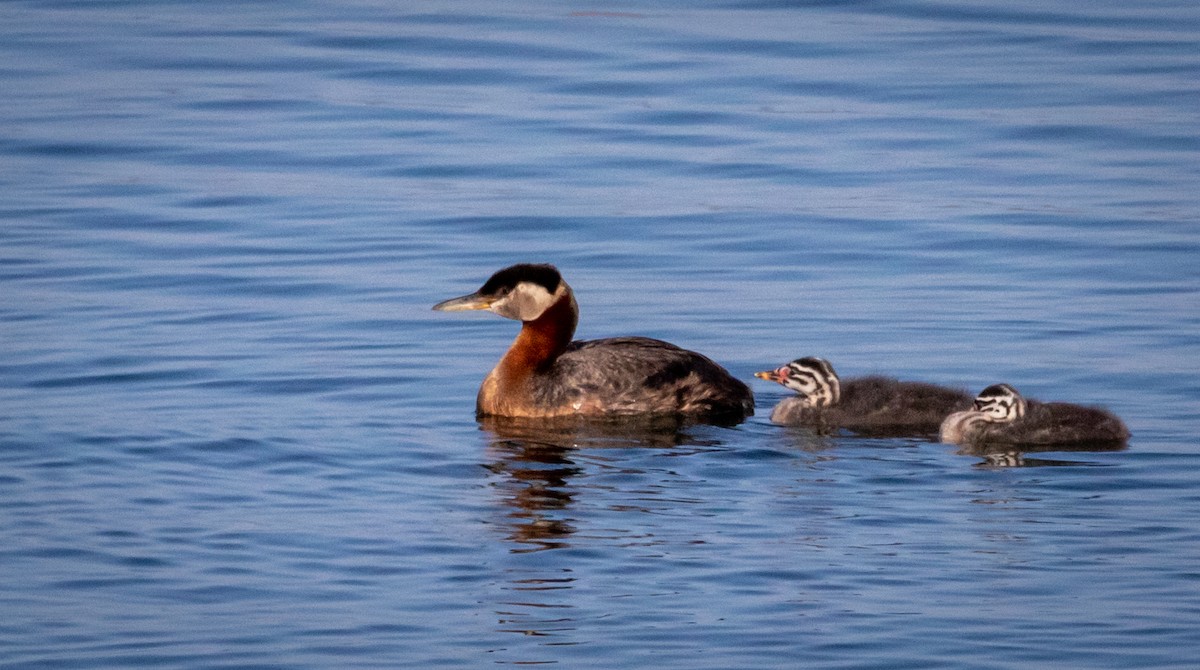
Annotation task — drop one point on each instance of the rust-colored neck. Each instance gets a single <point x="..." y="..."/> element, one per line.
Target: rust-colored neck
<point x="507" y="390"/>
<point x="541" y="340"/>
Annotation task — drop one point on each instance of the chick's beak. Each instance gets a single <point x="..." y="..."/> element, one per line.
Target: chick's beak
<point x="769" y="375"/>
<point x="464" y="303"/>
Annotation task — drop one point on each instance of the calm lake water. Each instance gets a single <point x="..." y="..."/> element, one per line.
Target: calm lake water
<point x="233" y="434"/>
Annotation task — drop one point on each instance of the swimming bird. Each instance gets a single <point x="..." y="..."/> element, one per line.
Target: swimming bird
<point x="545" y="374"/>
<point x="1000" y="415"/>
<point x="869" y="405"/>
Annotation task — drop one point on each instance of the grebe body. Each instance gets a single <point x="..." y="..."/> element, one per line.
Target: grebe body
<point x="546" y="374"/>
<point x="868" y="405"/>
<point x="1000" y="415"/>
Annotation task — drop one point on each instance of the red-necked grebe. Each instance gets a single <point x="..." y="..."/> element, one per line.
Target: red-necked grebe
<point x="545" y="374"/>
<point x="1000" y="415"/>
<point x="868" y="405"/>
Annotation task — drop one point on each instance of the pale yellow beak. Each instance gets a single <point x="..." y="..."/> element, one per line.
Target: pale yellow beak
<point x="464" y="303"/>
<point x="770" y="375"/>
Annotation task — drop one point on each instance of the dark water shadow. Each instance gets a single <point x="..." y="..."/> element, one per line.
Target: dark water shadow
<point x="542" y="470"/>
<point x="1017" y="456"/>
<point x="804" y="438"/>
<point x="539" y="461"/>
<point x="807" y="439"/>
<point x="575" y="432"/>
<point x="817" y="438"/>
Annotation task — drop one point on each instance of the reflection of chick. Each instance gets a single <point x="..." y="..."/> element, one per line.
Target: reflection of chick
<point x="545" y="374"/>
<point x="871" y="405"/>
<point x="1001" y="416"/>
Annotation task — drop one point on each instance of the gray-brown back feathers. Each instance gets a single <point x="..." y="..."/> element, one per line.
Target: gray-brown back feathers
<point x="628" y="375"/>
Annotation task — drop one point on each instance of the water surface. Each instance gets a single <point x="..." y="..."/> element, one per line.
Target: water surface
<point x="233" y="434"/>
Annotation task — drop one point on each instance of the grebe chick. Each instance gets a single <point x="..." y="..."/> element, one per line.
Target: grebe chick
<point x="545" y="374"/>
<point x="1000" y="415"/>
<point x="870" y="405"/>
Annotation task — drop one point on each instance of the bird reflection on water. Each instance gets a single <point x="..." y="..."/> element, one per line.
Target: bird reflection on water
<point x="537" y="487"/>
<point x="539" y="459"/>
<point x="542" y="469"/>
<point x="1007" y="456"/>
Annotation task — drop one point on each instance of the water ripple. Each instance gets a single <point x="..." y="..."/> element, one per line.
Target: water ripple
<point x="232" y="432"/>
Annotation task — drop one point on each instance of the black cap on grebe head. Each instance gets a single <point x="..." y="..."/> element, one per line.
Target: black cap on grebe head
<point x="521" y="292"/>
<point x="542" y="274"/>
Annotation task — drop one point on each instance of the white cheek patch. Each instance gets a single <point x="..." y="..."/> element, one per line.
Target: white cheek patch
<point x="1002" y="409"/>
<point x="817" y="385"/>
<point x="525" y="302"/>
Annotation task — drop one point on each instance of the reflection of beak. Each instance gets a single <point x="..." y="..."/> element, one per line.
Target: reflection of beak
<point x="770" y="375"/>
<point x="464" y="303"/>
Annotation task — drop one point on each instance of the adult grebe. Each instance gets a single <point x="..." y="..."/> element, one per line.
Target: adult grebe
<point x="1001" y="416"/>
<point x="545" y="374"/>
<point x="870" y="405"/>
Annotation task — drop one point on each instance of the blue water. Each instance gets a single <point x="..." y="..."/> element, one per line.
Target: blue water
<point x="233" y="434"/>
